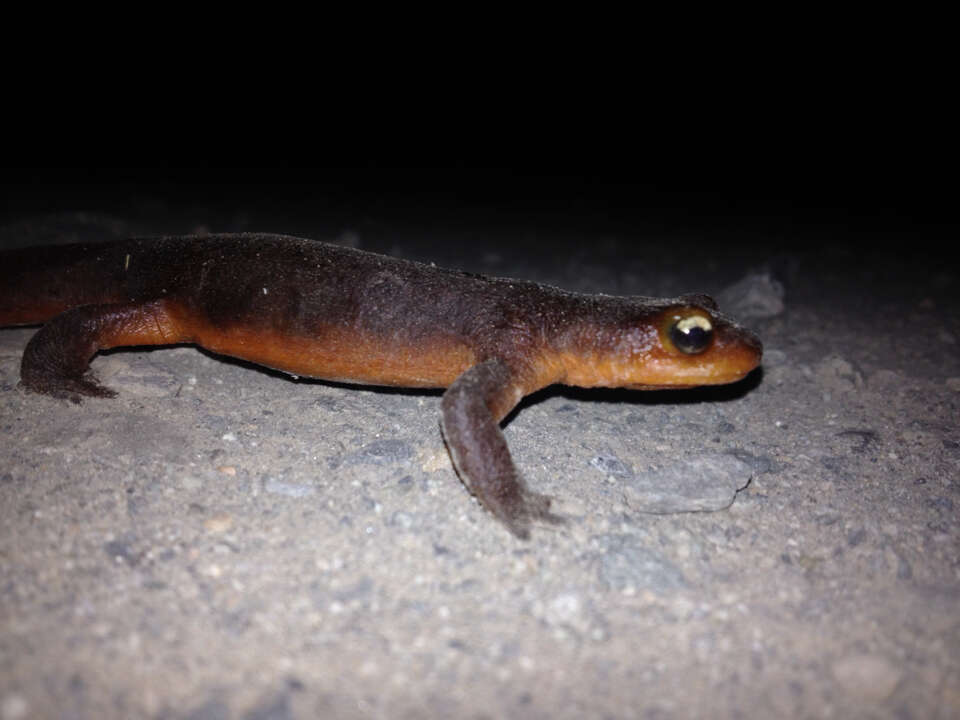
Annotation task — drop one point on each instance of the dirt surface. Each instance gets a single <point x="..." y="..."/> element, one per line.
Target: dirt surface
<point x="221" y="541"/>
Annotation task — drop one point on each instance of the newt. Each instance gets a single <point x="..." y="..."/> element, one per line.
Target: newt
<point x="325" y="311"/>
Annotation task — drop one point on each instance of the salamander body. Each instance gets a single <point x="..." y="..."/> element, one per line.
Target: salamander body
<point x="319" y="310"/>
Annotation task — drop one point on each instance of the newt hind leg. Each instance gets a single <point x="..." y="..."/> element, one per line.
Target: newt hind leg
<point x="472" y="407"/>
<point x="56" y="361"/>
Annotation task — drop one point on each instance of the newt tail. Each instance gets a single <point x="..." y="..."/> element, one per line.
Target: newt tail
<point x="318" y="310"/>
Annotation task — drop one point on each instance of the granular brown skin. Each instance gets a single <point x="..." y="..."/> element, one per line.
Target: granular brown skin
<point x="319" y="310"/>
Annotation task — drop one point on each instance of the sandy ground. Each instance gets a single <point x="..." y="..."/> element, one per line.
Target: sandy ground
<point x="224" y="542"/>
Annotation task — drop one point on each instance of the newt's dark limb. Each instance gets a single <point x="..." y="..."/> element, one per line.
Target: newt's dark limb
<point x="56" y="361"/>
<point x="472" y="408"/>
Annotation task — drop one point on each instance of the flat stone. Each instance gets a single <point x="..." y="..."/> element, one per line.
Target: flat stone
<point x="701" y="483"/>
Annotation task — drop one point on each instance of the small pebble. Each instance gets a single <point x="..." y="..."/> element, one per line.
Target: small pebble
<point x="868" y="677"/>
<point x="14" y="707"/>
<point x="218" y="523"/>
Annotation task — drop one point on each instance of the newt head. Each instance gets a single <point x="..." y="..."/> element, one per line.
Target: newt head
<point x="700" y="346"/>
<point x="683" y="342"/>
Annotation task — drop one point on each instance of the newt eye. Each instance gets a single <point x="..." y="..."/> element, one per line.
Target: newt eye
<point x="691" y="334"/>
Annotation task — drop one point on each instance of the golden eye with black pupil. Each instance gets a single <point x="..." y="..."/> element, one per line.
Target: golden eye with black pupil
<point x="691" y="334"/>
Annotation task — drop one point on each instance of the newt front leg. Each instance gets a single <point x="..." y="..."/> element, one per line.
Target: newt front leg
<point x="473" y="407"/>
